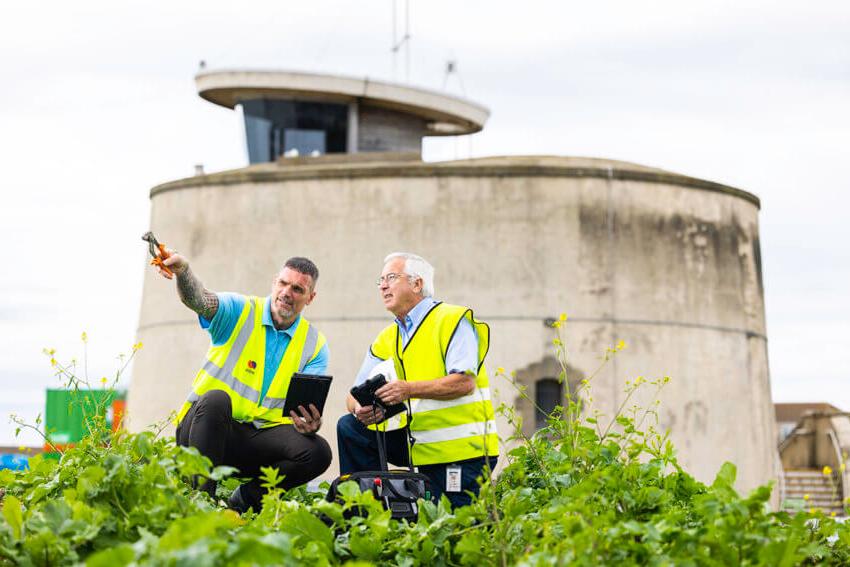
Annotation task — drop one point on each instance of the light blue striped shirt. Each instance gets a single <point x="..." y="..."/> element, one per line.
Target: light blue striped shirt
<point x="461" y="356"/>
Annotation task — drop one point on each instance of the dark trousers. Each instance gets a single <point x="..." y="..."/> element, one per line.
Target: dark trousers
<point x="358" y="451"/>
<point x="210" y="427"/>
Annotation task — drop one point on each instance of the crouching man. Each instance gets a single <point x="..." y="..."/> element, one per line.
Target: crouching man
<point x="234" y="414"/>
<point x="437" y="352"/>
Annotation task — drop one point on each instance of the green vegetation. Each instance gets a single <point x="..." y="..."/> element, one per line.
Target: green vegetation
<point x="585" y="490"/>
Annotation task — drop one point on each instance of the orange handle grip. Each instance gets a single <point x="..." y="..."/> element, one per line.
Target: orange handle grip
<point x="158" y="260"/>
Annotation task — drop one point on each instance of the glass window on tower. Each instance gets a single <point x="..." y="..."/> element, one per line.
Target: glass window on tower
<point x="548" y="394"/>
<point x="277" y="127"/>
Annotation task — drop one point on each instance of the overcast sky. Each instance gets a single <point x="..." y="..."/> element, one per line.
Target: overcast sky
<point x="98" y="105"/>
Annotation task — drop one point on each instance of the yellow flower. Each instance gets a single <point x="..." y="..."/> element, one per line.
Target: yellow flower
<point x="500" y="370"/>
<point x="827" y="471"/>
<point x="84" y="336"/>
<point x="557" y="342"/>
<point x="812" y="511"/>
<point x="556" y="324"/>
<point x="843" y="467"/>
<point x="832" y="514"/>
<point x="621" y="344"/>
<point x="806" y="497"/>
<point x="137" y="346"/>
<point x="563" y="317"/>
<point x="103" y="380"/>
<point x="22" y="449"/>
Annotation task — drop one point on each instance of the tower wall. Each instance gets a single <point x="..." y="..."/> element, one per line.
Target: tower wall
<point x="667" y="263"/>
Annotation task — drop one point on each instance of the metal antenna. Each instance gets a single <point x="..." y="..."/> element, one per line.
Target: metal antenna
<point x="404" y="41"/>
<point x="452" y="69"/>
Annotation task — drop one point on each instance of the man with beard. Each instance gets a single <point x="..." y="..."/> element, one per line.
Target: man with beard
<point x="234" y="414"/>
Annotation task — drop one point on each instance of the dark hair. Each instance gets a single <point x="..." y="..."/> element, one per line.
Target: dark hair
<point x="305" y="266"/>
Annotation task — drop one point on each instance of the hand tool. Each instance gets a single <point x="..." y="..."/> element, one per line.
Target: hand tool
<point x="157" y="250"/>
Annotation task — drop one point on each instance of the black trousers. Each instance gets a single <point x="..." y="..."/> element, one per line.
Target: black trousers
<point x="209" y="426"/>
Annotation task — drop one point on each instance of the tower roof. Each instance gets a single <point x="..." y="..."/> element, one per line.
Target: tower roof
<point x="446" y="115"/>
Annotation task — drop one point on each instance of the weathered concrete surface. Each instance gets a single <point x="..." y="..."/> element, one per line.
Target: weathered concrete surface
<point x="669" y="264"/>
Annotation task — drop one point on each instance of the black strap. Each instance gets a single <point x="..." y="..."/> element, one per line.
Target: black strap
<point x="381" y="437"/>
<point x="410" y="439"/>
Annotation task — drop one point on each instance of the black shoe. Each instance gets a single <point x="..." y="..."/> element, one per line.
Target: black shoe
<point x="237" y="502"/>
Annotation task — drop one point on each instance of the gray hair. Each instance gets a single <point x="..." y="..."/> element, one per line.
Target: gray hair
<point x="418" y="267"/>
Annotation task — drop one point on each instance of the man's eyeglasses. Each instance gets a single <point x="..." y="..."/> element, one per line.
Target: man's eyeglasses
<point x="389" y="278"/>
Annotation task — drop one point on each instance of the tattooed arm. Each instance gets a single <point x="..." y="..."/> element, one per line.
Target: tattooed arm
<point x="192" y="292"/>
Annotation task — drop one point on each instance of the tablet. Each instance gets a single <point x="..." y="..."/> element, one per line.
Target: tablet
<point x="306" y="389"/>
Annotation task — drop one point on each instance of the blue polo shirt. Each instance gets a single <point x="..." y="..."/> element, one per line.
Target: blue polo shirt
<point x="230" y="306"/>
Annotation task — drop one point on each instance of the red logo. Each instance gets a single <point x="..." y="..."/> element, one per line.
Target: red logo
<point x="251" y="364"/>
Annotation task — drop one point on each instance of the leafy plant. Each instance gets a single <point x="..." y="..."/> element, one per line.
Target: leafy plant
<point x="587" y="489"/>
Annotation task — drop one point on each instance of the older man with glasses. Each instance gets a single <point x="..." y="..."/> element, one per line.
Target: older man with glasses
<point x="434" y="355"/>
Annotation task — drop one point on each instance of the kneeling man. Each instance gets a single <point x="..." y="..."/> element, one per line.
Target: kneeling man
<point x="234" y="414"/>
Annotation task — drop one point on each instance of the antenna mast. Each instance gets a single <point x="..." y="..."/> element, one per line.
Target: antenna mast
<point x="404" y="41"/>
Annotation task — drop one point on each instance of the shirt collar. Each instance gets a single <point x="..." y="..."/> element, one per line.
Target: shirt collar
<point x="269" y="322"/>
<point x="415" y="315"/>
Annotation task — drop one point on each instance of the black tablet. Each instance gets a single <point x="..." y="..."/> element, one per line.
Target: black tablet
<point x="306" y="389"/>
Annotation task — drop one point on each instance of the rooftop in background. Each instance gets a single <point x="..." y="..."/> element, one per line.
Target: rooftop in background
<point x="792" y="412"/>
<point x="290" y="113"/>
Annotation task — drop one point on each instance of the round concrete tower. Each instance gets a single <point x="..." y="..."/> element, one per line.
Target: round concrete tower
<point x="667" y="263"/>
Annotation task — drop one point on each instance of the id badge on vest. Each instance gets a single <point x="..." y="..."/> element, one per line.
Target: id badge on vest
<point x="453" y="478"/>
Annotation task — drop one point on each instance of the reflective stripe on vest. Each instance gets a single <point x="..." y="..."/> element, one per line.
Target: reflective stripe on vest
<point x="477" y="429"/>
<point x="478" y="395"/>
<point x="225" y="373"/>
<point x="310" y="343"/>
<point x="246" y="348"/>
<point x="445" y="430"/>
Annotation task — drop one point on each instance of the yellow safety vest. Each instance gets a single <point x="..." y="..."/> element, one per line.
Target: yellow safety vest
<point x="445" y="431"/>
<point x="237" y="367"/>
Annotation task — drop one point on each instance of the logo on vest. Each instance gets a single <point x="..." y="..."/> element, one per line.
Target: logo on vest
<point x="251" y="366"/>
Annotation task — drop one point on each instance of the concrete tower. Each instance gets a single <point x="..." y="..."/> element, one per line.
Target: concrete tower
<point x="668" y="263"/>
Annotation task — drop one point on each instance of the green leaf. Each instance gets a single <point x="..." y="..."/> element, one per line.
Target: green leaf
<point x="726" y="475"/>
<point x="222" y="472"/>
<point x="121" y="555"/>
<point x="303" y="523"/>
<point x="13" y="512"/>
<point x="90" y="481"/>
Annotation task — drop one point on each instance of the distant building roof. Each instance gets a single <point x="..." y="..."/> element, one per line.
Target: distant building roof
<point x="794" y="411"/>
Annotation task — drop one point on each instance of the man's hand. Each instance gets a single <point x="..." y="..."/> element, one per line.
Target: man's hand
<point x="307" y="423"/>
<point x="368" y="415"/>
<point x="175" y="262"/>
<point x="394" y="392"/>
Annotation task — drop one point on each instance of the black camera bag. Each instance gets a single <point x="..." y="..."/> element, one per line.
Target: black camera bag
<point x="398" y="490"/>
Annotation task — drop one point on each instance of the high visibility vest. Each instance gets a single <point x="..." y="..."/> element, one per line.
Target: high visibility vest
<point x="445" y="431"/>
<point x="237" y="367"/>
